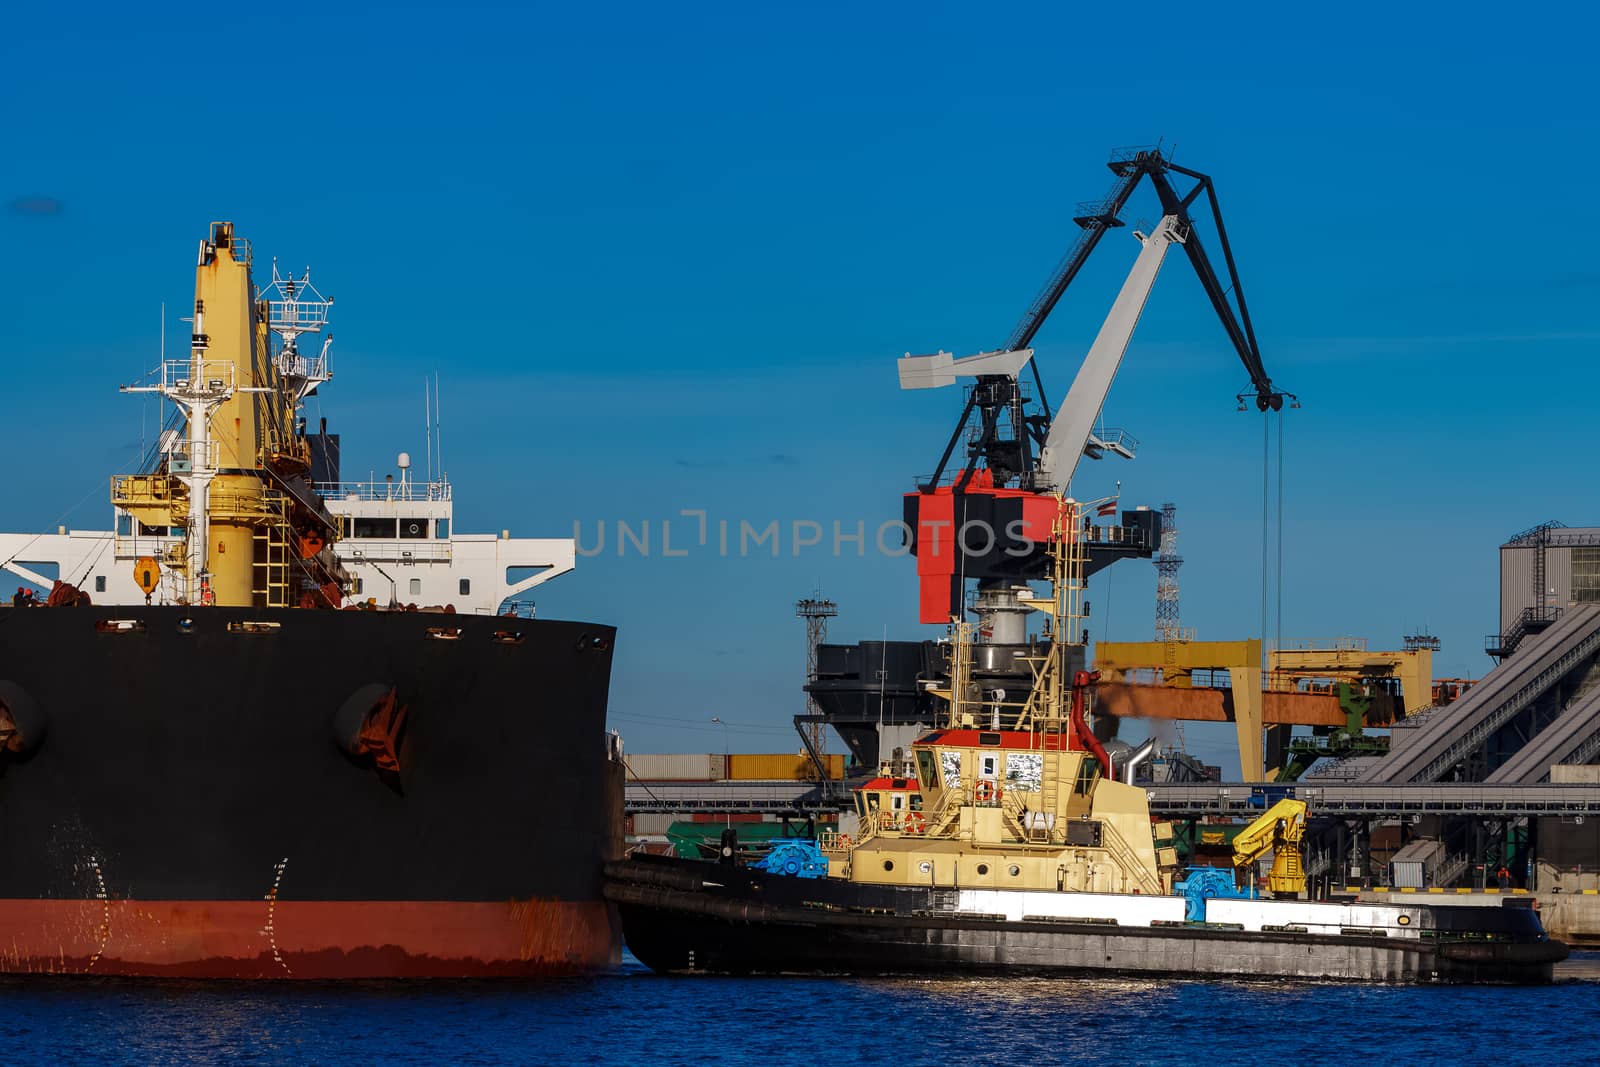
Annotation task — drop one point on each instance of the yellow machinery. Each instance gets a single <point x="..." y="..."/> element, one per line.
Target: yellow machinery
<point x="1301" y="687"/>
<point x="1278" y="831"/>
<point x="1176" y="661"/>
<point x="234" y="481"/>
<point x="1350" y="661"/>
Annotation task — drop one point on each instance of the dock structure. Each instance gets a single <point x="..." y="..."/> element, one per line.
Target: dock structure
<point x="1502" y="801"/>
<point x="1539" y="708"/>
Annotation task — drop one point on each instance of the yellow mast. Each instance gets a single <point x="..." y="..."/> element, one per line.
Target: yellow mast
<point x="238" y="522"/>
<point x="228" y="347"/>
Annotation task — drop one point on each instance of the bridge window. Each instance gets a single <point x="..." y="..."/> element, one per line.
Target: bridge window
<point x="1088" y="771"/>
<point x="1586" y="575"/>
<point x="374" y="527"/>
<point x="442" y="529"/>
<point x="413" y="528"/>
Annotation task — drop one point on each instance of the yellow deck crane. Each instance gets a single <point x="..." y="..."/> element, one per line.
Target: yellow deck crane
<point x="1278" y="830"/>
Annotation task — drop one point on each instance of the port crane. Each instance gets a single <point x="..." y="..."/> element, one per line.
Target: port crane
<point x="1017" y="456"/>
<point x="1278" y="831"/>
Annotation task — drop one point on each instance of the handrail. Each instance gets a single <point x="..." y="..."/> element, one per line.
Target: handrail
<point x="403" y="492"/>
<point x="1113" y="843"/>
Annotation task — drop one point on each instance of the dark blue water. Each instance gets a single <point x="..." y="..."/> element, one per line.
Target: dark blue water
<point x="637" y="1018"/>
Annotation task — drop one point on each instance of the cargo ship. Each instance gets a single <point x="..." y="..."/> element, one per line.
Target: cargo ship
<point x="1009" y="846"/>
<point x="209" y="770"/>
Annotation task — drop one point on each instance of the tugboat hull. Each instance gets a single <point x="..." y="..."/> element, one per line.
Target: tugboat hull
<point x="686" y="916"/>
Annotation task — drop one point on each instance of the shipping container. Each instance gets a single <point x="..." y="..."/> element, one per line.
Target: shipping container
<point x="649" y="823"/>
<point x="783" y="767"/>
<point x="1413" y="866"/>
<point x="676" y="767"/>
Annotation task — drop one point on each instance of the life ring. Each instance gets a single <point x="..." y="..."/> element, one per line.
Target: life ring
<point x="914" y="823"/>
<point x="985" y="791"/>
<point x="844" y="841"/>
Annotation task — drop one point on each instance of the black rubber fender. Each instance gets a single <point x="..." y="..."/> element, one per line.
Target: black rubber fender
<point x="352" y="715"/>
<point x="26" y="715"/>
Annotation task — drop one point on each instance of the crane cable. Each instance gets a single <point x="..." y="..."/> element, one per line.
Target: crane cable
<point x="1271" y="581"/>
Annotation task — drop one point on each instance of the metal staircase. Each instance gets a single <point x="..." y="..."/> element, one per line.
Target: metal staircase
<point x="269" y="576"/>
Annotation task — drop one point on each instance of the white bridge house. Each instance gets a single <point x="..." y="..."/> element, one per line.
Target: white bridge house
<point x="397" y="543"/>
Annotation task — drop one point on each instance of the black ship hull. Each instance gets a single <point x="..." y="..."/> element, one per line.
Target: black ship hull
<point x="682" y="916"/>
<point x="283" y="793"/>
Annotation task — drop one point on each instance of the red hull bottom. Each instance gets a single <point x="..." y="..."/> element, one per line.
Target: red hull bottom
<point x="258" y="939"/>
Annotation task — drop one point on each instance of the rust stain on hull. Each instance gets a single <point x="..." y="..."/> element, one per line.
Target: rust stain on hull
<point x="306" y="939"/>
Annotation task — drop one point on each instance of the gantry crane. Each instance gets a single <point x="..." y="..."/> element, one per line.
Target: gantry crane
<point x="1015" y="456"/>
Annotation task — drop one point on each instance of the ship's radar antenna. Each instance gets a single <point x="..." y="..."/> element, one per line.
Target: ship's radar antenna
<point x="294" y="307"/>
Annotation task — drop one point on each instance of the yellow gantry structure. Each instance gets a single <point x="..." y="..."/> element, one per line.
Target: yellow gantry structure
<point x="1176" y="662"/>
<point x="1351" y="662"/>
<point x="1299" y="688"/>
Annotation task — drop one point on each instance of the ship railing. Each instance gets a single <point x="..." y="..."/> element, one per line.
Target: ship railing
<point x="385" y="490"/>
<point x="1337" y="644"/>
<point x="312" y="368"/>
<point x="302" y="316"/>
<point x="137" y="546"/>
<point x="1128" y="860"/>
<point x="188" y="376"/>
<point x="394" y="551"/>
<point x="943" y="818"/>
<point x="143" y="490"/>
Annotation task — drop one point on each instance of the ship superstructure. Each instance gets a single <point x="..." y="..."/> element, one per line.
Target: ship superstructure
<point x="238" y="504"/>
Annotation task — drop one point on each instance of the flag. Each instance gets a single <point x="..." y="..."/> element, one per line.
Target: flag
<point x="1108" y="508"/>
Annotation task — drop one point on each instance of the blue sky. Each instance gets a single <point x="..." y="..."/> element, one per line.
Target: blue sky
<point x="663" y="258"/>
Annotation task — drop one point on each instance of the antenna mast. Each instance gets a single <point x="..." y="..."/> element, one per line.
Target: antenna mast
<point x="1168" y="561"/>
<point x="816" y="612"/>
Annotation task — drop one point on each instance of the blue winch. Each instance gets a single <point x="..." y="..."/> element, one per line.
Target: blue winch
<point x="1201" y="884"/>
<point x="798" y="857"/>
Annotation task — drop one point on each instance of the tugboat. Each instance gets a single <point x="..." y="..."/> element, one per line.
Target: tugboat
<point x="1012" y="848"/>
<point x="207" y="770"/>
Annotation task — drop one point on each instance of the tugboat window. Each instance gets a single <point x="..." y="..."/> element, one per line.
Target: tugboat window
<point x="1013" y="870"/>
<point x="1088" y="771"/>
<point x="99" y="583"/>
<point x="416" y="587"/>
<point x="983" y="868"/>
<point x="925" y="768"/>
<point x="466" y="586"/>
<point x="888" y="865"/>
